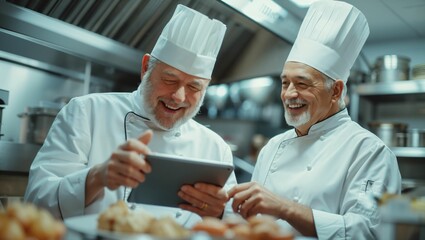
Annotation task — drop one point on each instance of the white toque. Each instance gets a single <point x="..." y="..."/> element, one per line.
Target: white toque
<point x="330" y="38"/>
<point x="190" y="42"/>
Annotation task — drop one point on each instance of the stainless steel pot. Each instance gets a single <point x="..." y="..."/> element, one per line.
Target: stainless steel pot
<point x="415" y="137"/>
<point x="35" y="124"/>
<point x="357" y="76"/>
<point x="389" y="68"/>
<point x="388" y="132"/>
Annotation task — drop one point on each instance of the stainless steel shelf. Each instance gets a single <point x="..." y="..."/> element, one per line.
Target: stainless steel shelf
<point x="392" y="88"/>
<point x="410" y="152"/>
<point x="406" y="91"/>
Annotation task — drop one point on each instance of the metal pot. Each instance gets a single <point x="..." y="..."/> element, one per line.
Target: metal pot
<point x="35" y="124"/>
<point x="389" y="68"/>
<point x="388" y="132"/>
<point x="415" y="137"/>
<point x="357" y="76"/>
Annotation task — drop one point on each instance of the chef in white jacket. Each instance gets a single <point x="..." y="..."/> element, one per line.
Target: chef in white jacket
<point x="94" y="152"/>
<point x="321" y="176"/>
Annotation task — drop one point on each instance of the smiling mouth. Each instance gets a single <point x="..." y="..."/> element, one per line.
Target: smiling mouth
<point x="171" y="107"/>
<point x="295" y="106"/>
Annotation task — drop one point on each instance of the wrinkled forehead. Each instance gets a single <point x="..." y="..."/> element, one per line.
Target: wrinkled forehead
<point x="173" y="73"/>
<point x="301" y="70"/>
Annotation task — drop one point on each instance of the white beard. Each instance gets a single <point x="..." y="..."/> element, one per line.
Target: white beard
<point x="297" y="121"/>
<point x="147" y="90"/>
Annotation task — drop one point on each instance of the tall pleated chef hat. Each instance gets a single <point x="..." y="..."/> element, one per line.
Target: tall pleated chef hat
<point x="190" y="42"/>
<point x="330" y="38"/>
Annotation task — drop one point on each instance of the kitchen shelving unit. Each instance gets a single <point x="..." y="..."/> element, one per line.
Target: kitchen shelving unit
<point x="402" y="100"/>
<point x="384" y="92"/>
<point x="409" y="152"/>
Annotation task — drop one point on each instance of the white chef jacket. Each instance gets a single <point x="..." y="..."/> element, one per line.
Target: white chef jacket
<point x="85" y="133"/>
<point x="335" y="170"/>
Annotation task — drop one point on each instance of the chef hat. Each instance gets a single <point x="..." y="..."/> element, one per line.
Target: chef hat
<point x="330" y="38"/>
<point x="190" y="42"/>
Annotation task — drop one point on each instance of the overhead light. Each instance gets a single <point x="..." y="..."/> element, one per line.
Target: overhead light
<point x="257" y="82"/>
<point x="303" y="3"/>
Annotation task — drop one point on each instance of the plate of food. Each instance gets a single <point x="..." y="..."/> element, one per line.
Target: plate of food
<point x="120" y="222"/>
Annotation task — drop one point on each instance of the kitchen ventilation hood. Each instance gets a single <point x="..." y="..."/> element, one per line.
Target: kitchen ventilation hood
<point x="114" y="34"/>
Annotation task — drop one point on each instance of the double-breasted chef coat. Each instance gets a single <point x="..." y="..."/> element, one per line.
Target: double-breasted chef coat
<point x="336" y="169"/>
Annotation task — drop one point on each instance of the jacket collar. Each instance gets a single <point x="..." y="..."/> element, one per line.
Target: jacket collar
<point x="330" y="123"/>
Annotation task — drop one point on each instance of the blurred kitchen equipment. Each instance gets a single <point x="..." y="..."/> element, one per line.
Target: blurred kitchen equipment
<point x="389" y="68"/>
<point x="400" y="139"/>
<point x="415" y="137"/>
<point x="418" y="71"/>
<point x="15" y="163"/>
<point x="4" y="99"/>
<point x="234" y="93"/>
<point x="387" y="131"/>
<point x="62" y="101"/>
<point x="258" y="90"/>
<point x="357" y="76"/>
<point x="35" y="124"/>
<point x="216" y="99"/>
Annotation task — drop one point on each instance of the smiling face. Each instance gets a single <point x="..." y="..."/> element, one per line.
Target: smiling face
<point x="305" y="96"/>
<point x="171" y="97"/>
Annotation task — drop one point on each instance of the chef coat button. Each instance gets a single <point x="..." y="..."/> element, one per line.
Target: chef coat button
<point x="178" y="134"/>
<point x="309" y="167"/>
<point x="296" y="199"/>
<point x="179" y="213"/>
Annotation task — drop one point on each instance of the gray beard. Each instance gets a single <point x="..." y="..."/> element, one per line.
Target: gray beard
<point x="147" y="90"/>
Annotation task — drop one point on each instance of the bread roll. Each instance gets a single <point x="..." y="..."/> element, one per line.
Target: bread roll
<point x="167" y="227"/>
<point x="212" y="226"/>
<point x="46" y="227"/>
<point x="10" y="228"/>
<point x="132" y="223"/>
<point x="26" y="221"/>
<point x="241" y="231"/>
<point x="107" y="218"/>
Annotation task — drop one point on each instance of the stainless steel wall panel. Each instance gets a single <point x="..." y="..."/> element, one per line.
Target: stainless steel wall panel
<point x="74" y="40"/>
<point x="30" y="87"/>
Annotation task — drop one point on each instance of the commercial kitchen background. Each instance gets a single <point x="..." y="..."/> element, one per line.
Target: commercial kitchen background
<point x="53" y="50"/>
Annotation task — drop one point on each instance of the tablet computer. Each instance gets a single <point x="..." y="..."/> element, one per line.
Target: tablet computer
<point x="170" y="172"/>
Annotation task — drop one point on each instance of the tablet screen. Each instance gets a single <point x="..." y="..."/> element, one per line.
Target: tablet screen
<point x="170" y="172"/>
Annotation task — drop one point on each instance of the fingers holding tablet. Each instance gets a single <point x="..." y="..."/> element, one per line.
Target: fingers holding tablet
<point x="169" y="173"/>
<point x="203" y="199"/>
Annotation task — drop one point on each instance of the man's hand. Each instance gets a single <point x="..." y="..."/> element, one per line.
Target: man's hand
<point x="204" y="199"/>
<point x="125" y="167"/>
<point x="250" y="198"/>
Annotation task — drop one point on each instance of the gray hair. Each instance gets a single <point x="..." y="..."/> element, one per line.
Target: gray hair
<point x="152" y="63"/>
<point x="329" y="82"/>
